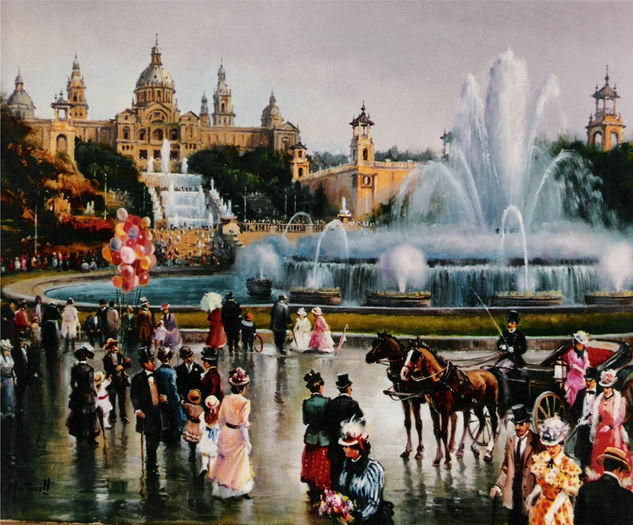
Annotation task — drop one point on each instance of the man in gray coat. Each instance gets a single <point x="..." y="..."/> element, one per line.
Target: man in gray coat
<point x="279" y="321"/>
<point x="516" y="481"/>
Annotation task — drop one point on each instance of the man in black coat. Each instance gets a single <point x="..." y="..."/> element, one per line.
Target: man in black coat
<point x="8" y="327"/>
<point x="27" y="368"/>
<point x="102" y="314"/>
<point x="146" y="402"/>
<point x="581" y="413"/>
<point x="232" y="321"/>
<point x="605" y="501"/>
<point x="114" y="365"/>
<point x="188" y="373"/>
<point x="279" y="321"/>
<point x="512" y="345"/>
<point x="341" y="408"/>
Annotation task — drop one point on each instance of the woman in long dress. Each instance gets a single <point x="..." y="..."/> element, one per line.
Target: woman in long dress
<point x="606" y="424"/>
<point x="216" y="337"/>
<point x="231" y="472"/>
<point x="557" y="477"/>
<point x="321" y="339"/>
<point x="8" y="378"/>
<point x="172" y="338"/>
<point x="577" y="364"/>
<point x="302" y="329"/>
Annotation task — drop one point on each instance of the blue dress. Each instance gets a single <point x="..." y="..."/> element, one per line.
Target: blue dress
<point x="172" y="415"/>
<point x="362" y="481"/>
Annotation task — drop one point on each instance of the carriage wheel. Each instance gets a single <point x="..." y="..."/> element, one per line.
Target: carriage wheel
<point x="627" y="393"/>
<point x="258" y="343"/>
<point x="474" y="427"/>
<point x="545" y="406"/>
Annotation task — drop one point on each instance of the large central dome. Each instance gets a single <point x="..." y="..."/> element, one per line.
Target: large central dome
<point x="155" y="74"/>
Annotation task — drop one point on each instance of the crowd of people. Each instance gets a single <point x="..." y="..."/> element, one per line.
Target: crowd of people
<point x="191" y="246"/>
<point x="51" y="260"/>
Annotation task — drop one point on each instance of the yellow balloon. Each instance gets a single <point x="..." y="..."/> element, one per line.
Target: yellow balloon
<point x="106" y="253"/>
<point x="118" y="230"/>
<point x="146" y="222"/>
<point x="144" y="263"/>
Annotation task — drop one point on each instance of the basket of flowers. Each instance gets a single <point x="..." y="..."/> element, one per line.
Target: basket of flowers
<point x="336" y="506"/>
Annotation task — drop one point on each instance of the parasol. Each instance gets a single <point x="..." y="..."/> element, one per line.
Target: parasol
<point x="210" y="301"/>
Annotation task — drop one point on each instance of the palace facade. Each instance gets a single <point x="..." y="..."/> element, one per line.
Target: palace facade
<point x="138" y="131"/>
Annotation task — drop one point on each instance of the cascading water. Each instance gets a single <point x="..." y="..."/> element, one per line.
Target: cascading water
<point x="298" y="214"/>
<point x="332" y="225"/>
<point x="164" y="157"/>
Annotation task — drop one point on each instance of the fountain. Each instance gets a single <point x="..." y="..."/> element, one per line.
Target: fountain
<point x="298" y="214"/>
<point x="614" y="270"/>
<point x="344" y="215"/>
<point x="184" y="166"/>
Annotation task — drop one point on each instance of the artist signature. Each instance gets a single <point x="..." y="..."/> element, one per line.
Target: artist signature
<point x="13" y="488"/>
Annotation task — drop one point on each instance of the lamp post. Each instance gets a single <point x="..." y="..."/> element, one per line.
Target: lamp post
<point x="244" y="210"/>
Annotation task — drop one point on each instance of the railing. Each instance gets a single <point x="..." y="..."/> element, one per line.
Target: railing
<point x="279" y="227"/>
<point x="390" y="164"/>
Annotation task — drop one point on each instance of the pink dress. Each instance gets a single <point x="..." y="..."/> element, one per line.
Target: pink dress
<point x="231" y="471"/>
<point x="577" y="367"/>
<point x="607" y="430"/>
<point x="321" y="337"/>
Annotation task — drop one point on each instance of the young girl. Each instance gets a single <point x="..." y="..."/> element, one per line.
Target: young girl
<point x="160" y="332"/>
<point x="36" y="332"/>
<point x="192" y="432"/>
<point x="103" y="399"/>
<point x="210" y="430"/>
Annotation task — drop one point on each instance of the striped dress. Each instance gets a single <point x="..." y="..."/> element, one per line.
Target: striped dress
<point x="362" y="481"/>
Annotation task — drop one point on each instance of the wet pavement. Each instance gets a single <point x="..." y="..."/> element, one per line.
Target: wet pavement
<point x="46" y="476"/>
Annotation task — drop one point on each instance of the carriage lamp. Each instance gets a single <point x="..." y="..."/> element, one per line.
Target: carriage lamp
<point x="560" y="370"/>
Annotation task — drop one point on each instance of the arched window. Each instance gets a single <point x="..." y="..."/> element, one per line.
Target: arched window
<point x="62" y="144"/>
<point x="126" y="133"/>
<point x="300" y="172"/>
<point x="614" y="140"/>
<point x="157" y="134"/>
<point x="222" y="108"/>
<point x="597" y="140"/>
<point x="174" y="134"/>
<point x="75" y="97"/>
<point x="141" y="135"/>
<point x="365" y="154"/>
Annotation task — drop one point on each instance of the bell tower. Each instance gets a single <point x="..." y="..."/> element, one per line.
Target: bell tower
<point x="362" y="145"/>
<point x="223" y="114"/>
<point x="76" y="93"/>
<point x="605" y="128"/>
<point x="299" y="164"/>
<point x="204" y="110"/>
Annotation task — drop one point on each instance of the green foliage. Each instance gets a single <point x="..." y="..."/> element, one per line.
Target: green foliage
<point x="320" y="160"/>
<point x="383" y="214"/>
<point x="101" y="163"/>
<point x="394" y="154"/>
<point x="614" y="169"/>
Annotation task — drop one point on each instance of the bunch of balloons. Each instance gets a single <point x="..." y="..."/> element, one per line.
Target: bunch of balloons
<point x="131" y="250"/>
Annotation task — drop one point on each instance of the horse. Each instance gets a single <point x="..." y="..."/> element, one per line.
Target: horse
<point x="453" y="390"/>
<point x="386" y="346"/>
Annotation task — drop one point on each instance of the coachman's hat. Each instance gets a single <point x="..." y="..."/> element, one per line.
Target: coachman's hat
<point x="512" y="317"/>
<point x="520" y="414"/>
<point x="342" y="381"/>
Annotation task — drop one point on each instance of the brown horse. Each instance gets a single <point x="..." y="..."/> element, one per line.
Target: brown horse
<point x="386" y="346"/>
<point x="453" y="390"/>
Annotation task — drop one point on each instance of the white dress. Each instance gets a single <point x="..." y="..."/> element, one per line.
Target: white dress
<point x="208" y="446"/>
<point x="70" y="321"/>
<point x="302" y="335"/>
<point x="103" y="400"/>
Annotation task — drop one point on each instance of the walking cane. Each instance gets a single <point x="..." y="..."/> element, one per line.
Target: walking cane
<point x="494" y="510"/>
<point x="142" y="447"/>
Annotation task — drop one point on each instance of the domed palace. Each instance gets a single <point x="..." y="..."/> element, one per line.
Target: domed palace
<point x="139" y="130"/>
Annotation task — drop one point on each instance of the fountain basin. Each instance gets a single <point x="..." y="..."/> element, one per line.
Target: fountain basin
<point x="607" y="299"/>
<point x="404" y="299"/>
<point x="258" y="287"/>
<point x="528" y="299"/>
<point x="328" y="296"/>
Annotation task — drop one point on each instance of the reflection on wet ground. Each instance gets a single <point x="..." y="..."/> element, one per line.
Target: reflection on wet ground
<point x="45" y="476"/>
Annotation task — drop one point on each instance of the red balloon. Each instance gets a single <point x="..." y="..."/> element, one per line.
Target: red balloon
<point x="127" y="271"/>
<point x="116" y="258"/>
<point x="143" y="278"/>
<point x="141" y="237"/>
<point x="126" y="287"/>
<point x="136" y="221"/>
<point x="128" y="224"/>
<point x="117" y="281"/>
<point x="130" y="242"/>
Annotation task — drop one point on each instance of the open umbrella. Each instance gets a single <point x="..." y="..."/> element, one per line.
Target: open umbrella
<point x="210" y="301"/>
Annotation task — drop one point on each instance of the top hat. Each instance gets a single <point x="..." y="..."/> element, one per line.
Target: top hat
<point x="185" y="351"/>
<point x="164" y="306"/>
<point x="591" y="373"/>
<point x="99" y="377"/>
<point x="84" y="350"/>
<point x="164" y="354"/>
<point x="110" y="343"/>
<point x="301" y="312"/>
<point x="608" y="378"/>
<point x="211" y="402"/>
<point x="317" y="310"/>
<point x="209" y="354"/>
<point x="342" y="381"/>
<point x="581" y="337"/>
<point x="145" y="355"/>
<point x="553" y="430"/>
<point x="615" y="454"/>
<point x="194" y="396"/>
<point x="520" y="414"/>
<point x="248" y="316"/>
<point x="238" y="377"/>
<point x="229" y="295"/>
<point x="512" y="317"/>
<point x="22" y="336"/>
<point x="313" y="377"/>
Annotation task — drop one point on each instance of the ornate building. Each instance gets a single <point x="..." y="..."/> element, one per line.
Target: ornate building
<point x="605" y="129"/>
<point x="364" y="182"/>
<point x="139" y="130"/>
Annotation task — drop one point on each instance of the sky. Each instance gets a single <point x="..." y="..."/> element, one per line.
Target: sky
<point x="406" y="60"/>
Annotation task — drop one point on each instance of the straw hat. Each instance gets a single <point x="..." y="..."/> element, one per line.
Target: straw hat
<point x="553" y="430"/>
<point x="110" y="342"/>
<point x="615" y="454"/>
<point x="581" y="337"/>
<point x="301" y="312"/>
<point x="99" y="377"/>
<point x="238" y="377"/>
<point x="194" y="396"/>
<point x="211" y="402"/>
<point x="164" y="306"/>
<point x="316" y="310"/>
<point x="608" y="378"/>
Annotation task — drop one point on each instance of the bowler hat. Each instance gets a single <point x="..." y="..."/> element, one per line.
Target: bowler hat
<point x="164" y="354"/>
<point x="209" y="354"/>
<point x="145" y="355"/>
<point x="520" y="414"/>
<point x="85" y="350"/>
<point x="615" y="454"/>
<point x="512" y="317"/>
<point x="185" y="351"/>
<point x="22" y="336"/>
<point x="342" y="381"/>
<point x="229" y="295"/>
<point x="194" y="396"/>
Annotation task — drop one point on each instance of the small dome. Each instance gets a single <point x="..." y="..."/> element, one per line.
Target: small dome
<point x="155" y="75"/>
<point x="20" y="99"/>
<point x="271" y="116"/>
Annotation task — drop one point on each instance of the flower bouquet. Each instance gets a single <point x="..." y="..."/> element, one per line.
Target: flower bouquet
<point x="336" y="506"/>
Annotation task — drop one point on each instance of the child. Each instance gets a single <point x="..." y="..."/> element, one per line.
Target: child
<point x="210" y="430"/>
<point x="103" y="399"/>
<point x="159" y="335"/>
<point x="192" y="432"/>
<point x="248" y="332"/>
<point x="36" y="332"/>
